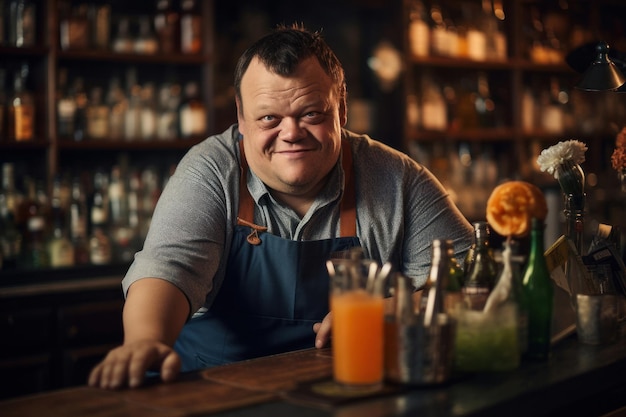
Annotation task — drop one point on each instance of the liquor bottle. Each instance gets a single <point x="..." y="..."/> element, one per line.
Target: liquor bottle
<point x="481" y="269"/>
<point x="118" y="104"/>
<point x="66" y="106"/>
<point x="148" y="114"/>
<point x="97" y="114"/>
<point x="100" y="24"/>
<point x="80" y="114"/>
<point x="453" y="290"/>
<point x="78" y="223"/>
<point x="146" y="41"/>
<point x="3" y="98"/>
<point x="167" y="27"/>
<point x="31" y="219"/>
<point x="123" y="42"/>
<point x="10" y="235"/>
<point x="432" y="301"/>
<point x="169" y="103"/>
<point x="190" y="27"/>
<point x="59" y="246"/>
<point x="132" y="119"/>
<point x="192" y="113"/>
<point x="100" y="250"/>
<point x="22" y="23"/>
<point x="419" y="31"/>
<point x="539" y="295"/>
<point x="74" y="29"/>
<point x="21" y="114"/>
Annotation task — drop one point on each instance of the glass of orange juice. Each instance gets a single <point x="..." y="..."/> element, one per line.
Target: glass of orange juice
<point x="356" y="303"/>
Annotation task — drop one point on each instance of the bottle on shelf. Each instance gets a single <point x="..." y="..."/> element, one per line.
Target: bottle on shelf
<point x="481" y="269"/>
<point x="59" y="246"/>
<point x="419" y="31"/>
<point x="192" y="113"/>
<point x="10" y="235"/>
<point x="3" y="98"/>
<point x="167" y="27"/>
<point x="22" y="23"/>
<point x="78" y="223"/>
<point x="66" y="106"/>
<point x="100" y="248"/>
<point x="123" y="42"/>
<point x="539" y="292"/>
<point x="74" y="29"/>
<point x="169" y="103"/>
<point x="190" y="27"/>
<point x="132" y="118"/>
<point x="146" y="41"/>
<point x="100" y="24"/>
<point x="80" y="114"/>
<point x="97" y="114"/>
<point x="148" y="113"/>
<point x="31" y="219"/>
<point x="21" y="108"/>
<point x="118" y="104"/>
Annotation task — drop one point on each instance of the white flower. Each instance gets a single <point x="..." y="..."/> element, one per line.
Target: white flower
<point x="571" y="151"/>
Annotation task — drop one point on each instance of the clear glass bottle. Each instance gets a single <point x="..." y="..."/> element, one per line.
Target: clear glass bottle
<point x="167" y="27"/>
<point x="22" y="23"/>
<point x="148" y="115"/>
<point x="80" y="114"/>
<point x="66" y="106"/>
<point x="59" y="246"/>
<point x="21" y="109"/>
<point x="169" y="103"/>
<point x="146" y="41"/>
<point x="192" y="113"/>
<point x="78" y="223"/>
<point x="453" y="290"/>
<point x="10" y="235"/>
<point x="539" y="294"/>
<point x="32" y="221"/>
<point x="190" y="27"/>
<point x="123" y="42"/>
<point x="100" y="248"/>
<point x="432" y="300"/>
<point x="3" y="100"/>
<point x="481" y="269"/>
<point x="118" y="104"/>
<point x="97" y="115"/>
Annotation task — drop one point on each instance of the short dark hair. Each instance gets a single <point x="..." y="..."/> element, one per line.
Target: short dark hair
<point x="284" y="48"/>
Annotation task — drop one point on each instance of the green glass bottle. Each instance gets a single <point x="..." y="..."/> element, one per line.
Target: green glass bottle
<point x="481" y="270"/>
<point x="539" y="294"/>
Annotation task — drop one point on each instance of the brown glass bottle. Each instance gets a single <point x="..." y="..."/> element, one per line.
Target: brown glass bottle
<point x="481" y="269"/>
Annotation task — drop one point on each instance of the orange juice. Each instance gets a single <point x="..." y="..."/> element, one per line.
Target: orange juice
<point x="357" y="338"/>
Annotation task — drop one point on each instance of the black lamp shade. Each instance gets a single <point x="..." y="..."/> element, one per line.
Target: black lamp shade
<point x="602" y="74"/>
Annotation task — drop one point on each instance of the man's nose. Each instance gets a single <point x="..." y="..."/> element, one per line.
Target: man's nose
<point x="291" y="129"/>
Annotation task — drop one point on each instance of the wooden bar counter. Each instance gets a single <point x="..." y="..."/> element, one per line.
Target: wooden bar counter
<point x="577" y="380"/>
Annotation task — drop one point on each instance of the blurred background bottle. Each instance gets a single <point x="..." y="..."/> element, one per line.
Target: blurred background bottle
<point x="481" y="269"/>
<point x="539" y="296"/>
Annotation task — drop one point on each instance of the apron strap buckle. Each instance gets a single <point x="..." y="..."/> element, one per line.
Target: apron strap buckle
<point x="253" y="238"/>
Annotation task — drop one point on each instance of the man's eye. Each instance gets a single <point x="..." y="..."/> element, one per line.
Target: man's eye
<point x="267" y="118"/>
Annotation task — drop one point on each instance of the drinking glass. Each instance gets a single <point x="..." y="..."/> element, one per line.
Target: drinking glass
<point x="356" y="304"/>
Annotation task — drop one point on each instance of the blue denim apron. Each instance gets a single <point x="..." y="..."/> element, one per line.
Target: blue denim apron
<point x="275" y="289"/>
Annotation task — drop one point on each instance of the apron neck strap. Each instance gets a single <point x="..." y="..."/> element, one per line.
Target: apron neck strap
<point x="347" y="222"/>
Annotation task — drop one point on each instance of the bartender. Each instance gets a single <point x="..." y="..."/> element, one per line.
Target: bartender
<point x="233" y="266"/>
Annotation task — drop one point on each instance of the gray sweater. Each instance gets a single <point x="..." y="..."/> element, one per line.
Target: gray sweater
<point x="401" y="207"/>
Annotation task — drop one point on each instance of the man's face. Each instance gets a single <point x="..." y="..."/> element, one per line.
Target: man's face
<point x="291" y="126"/>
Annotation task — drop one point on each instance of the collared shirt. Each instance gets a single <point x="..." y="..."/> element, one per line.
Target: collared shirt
<point x="401" y="208"/>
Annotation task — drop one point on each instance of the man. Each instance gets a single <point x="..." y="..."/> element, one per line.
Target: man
<point x="233" y="266"/>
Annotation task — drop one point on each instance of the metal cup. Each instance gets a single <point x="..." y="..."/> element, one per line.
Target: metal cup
<point x="420" y="355"/>
<point x="596" y="318"/>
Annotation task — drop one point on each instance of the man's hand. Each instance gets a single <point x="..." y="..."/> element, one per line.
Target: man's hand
<point x="323" y="332"/>
<point x="126" y="365"/>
